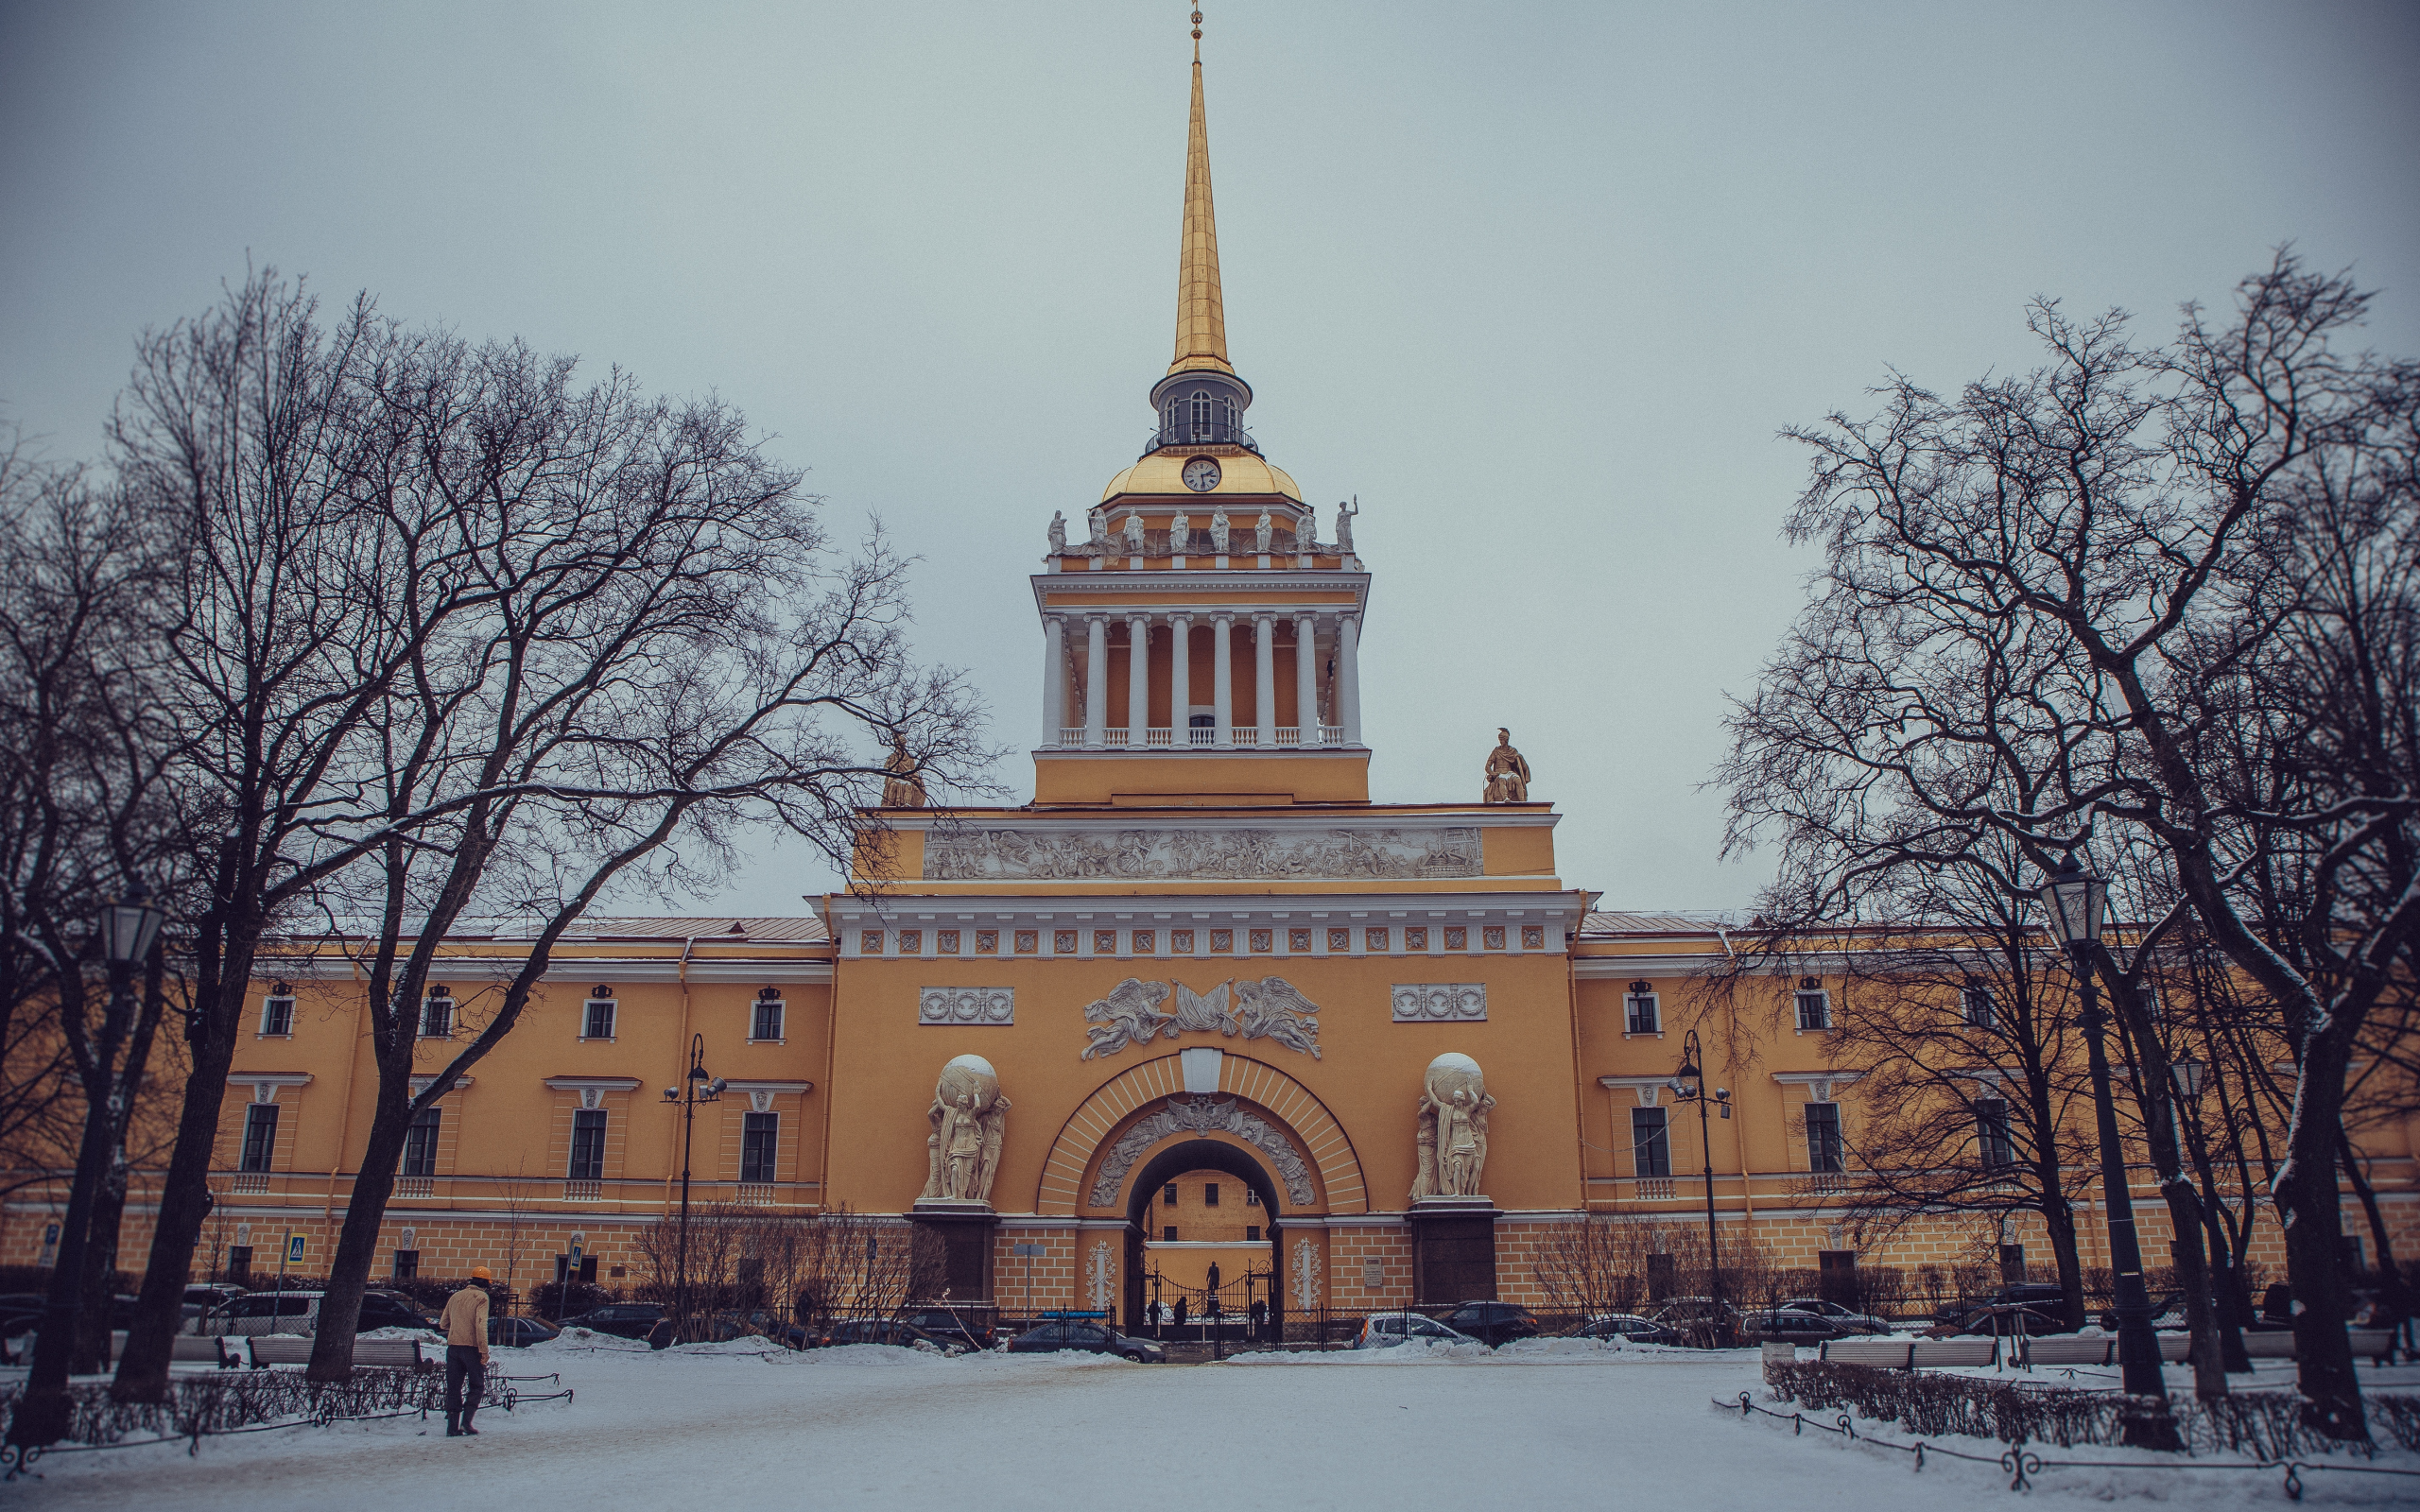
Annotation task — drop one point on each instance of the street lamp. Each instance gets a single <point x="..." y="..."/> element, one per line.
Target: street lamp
<point x="1689" y="1086"/>
<point x="124" y="931"/>
<point x="2077" y="901"/>
<point x="696" y="1086"/>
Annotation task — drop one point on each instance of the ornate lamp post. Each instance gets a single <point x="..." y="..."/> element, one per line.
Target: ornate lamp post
<point x="696" y="1086"/>
<point x="124" y="931"/>
<point x="1689" y="1086"/>
<point x="2077" y="901"/>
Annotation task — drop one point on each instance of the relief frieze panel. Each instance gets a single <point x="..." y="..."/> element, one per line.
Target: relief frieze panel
<point x="967" y="854"/>
<point x="1202" y="1115"/>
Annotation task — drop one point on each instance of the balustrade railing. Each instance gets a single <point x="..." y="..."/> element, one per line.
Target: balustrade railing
<point x="248" y="1183"/>
<point x="1244" y="738"/>
<point x="757" y="1193"/>
<point x="583" y="1191"/>
<point x="415" y="1186"/>
<point x="1654" y="1188"/>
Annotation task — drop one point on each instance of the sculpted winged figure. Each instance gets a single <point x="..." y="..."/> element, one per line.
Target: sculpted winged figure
<point x="1129" y="1016"/>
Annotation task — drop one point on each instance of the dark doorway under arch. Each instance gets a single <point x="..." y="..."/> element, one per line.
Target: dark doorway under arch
<point x="1202" y="1155"/>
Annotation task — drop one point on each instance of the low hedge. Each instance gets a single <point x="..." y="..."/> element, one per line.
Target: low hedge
<point x="2264" y="1424"/>
<point x="223" y="1401"/>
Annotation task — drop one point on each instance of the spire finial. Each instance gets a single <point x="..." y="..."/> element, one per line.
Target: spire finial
<point x="1200" y="314"/>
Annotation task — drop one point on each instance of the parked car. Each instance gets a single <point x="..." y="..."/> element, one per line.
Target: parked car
<point x="770" y="1325"/>
<point x="1700" y="1321"/>
<point x="519" y="1332"/>
<point x="263" y="1312"/>
<point x="1627" y="1326"/>
<point x="2004" y="1319"/>
<point x="391" y="1310"/>
<point x="2043" y="1297"/>
<point x="885" y="1330"/>
<point x="1076" y="1333"/>
<point x="1382" y="1330"/>
<point x="201" y="1296"/>
<point x="1847" y="1318"/>
<point x="1789" y="1325"/>
<point x="1493" y="1323"/>
<point x="954" y="1327"/>
<point x="629" y="1321"/>
<point x="2168" y="1313"/>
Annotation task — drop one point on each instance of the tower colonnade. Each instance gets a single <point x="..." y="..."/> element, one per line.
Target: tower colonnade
<point x="1077" y="678"/>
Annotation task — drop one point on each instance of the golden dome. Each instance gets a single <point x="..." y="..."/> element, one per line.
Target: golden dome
<point x="1239" y="473"/>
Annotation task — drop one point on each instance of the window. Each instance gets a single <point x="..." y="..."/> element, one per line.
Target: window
<point x="239" y="1263"/>
<point x="2147" y="1001"/>
<point x="406" y="1265"/>
<point x="1646" y="1017"/>
<point x="1167" y="1235"/>
<point x="420" y="1144"/>
<point x="1975" y="999"/>
<point x="600" y="1019"/>
<point x="758" y="1136"/>
<point x="1200" y="414"/>
<point x="277" y="1015"/>
<point x="437" y="1017"/>
<point x="1823" y="1137"/>
<point x="1251" y="1197"/>
<point x="1649" y="1146"/>
<point x="260" y="1136"/>
<point x="1991" y="1133"/>
<point x="587" y="1144"/>
<point x="1814" y="1006"/>
<point x="1252" y="1234"/>
<point x="1168" y="1197"/>
<point x="766" y="1023"/>
<point x="1209" y="1193"/>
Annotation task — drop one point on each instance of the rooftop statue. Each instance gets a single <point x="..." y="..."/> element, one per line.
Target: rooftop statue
<point x="1345" y="513"/>
<point x="1133" y="535"/>
<point x="1101" y="527"/>
<point x="1260" y="534"/>
<point x="1057" y="531"/>
<point x="1179" y="534"/>
<point x="1507" y="774"/>
<point x="902" y="788"/>
<point x="1219" y="532"/>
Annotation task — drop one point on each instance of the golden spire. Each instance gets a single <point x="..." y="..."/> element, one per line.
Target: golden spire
<point x="1201" y="315"/>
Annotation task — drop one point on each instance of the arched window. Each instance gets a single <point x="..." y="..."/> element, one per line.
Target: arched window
<point x="1175" y="419"/>
<point x="1227" y="417"/>
<point x="1202" y="415"/>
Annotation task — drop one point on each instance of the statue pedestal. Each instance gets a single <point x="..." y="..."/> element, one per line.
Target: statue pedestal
<point x="963" y="1227"/>
<point x="1453" y="1251"/>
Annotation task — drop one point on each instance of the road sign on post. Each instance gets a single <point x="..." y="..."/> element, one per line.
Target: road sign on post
<point x="1030" y="1253"/>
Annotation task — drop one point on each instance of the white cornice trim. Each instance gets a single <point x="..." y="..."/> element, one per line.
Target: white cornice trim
<point x="737" y="1086"/>
<point x="602" y="1084"/>
<point x="1356" y="817"/>
<point x="421" y="1084"/>
<point x="585" y="972"/>
<point x="269" y="1078"/>
<point x="1798" y="1078"/>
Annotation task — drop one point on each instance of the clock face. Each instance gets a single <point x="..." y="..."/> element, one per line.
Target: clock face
<point x="1201" y="474"/>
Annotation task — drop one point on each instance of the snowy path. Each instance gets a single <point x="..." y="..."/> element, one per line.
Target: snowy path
<point x="882" y="1428"/>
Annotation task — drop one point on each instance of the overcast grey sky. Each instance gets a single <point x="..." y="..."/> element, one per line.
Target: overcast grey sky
<point x="1538" y="282"/>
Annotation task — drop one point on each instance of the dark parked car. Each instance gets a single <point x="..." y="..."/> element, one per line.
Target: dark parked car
<point x="630" y="1320"/>
<point x="387" y="1310"/>
<point x="1628" y="1327"/>
<point x="2040" y="1295"/>
<point x="518" y="1332"/>
<point x="1700" y="1321"/>
<point x="1493" y="1323"/>
<point x="960" y="1329"/>
<point x="2004" y="1319"/>
<point x="1075" y="1334"/>
<point x="1789" y="1325"/>
<point x="1848" y="1320"/>
<point x="884" y="1330"/>
<point x="2166" y="1313"/>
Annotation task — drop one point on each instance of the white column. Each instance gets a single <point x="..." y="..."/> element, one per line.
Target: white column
<point x="1179" y="679"/>
<point x="1138" y="677"/>
<point x="1348" y="676"/>
<point x="1223" y="676"/>
<point x="1054" y="679"/>
<point x="1264" y="679"/>
<point x="1096" y="678"/>
<point x="1306" y="678"/>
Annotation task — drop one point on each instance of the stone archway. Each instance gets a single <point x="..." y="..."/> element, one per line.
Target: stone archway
<point x="1283" y="1106"/>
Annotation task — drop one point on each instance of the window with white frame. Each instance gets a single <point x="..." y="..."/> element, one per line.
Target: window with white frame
<point x="277" y="1012"/>
<point x="1814" y="1005"/>
<point x="1993" y="1144"/>
<point x="1823" y="1151"/>
<point x="764" y="1022"/>
<point x="1650" y="1142"/>
<point x="760" y="1137"/>
<point x="1645" y="1016"/>
<point x="596" y="1023"/>
<point x="2147" y="1000"/>
<point x="420" y="1144"/>
<point x="1975" y="1001"/>
<point x="436" y="1015"/>
<point x="587" y="1144"/>
<point x="260" y="1137"/>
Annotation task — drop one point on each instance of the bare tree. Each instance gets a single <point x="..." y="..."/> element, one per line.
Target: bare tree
<point x="2125" y="532"/>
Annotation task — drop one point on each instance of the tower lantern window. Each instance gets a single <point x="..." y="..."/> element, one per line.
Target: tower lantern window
<point x="1202" y="414"/>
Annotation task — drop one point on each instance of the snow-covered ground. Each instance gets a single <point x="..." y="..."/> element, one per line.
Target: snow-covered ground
<point x="1545" y="1424"/>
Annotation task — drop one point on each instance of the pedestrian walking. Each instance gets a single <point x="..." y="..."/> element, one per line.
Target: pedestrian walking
<point x="465" y="1321"/>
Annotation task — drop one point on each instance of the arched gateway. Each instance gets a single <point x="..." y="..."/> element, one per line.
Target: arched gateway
<point x="1201" y="1109"/>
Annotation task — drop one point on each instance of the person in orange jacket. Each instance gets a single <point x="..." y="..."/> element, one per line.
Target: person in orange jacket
<point x="465" y="1322"/>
